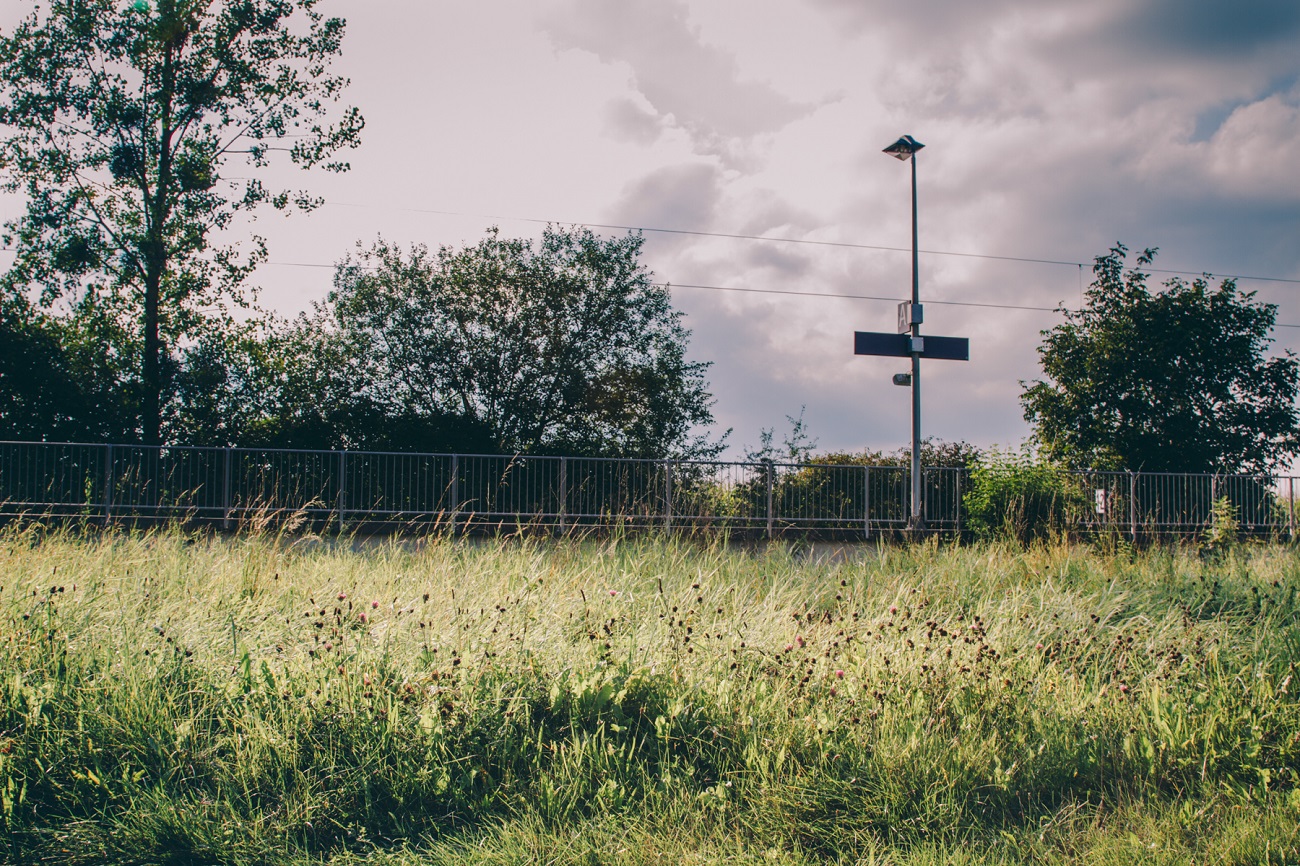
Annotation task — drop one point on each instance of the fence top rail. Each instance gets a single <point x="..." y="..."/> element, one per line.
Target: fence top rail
<point x="519" y="458"/>
<point x="760" y="465"/>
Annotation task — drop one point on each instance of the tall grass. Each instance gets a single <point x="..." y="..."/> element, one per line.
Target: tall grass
<point x="170" y="697"/>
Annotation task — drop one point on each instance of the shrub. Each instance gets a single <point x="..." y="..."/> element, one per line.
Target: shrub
<point x="1015" y="495"/>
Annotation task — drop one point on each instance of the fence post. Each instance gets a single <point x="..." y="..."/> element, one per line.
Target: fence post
<point x="866" y="502"/>
<point x="668" y="495"/>
<point x="1290" y="507"/>
<point x="1132" y="506"/>
<point x="108" y="484"/>
<point x="564" y="491"/>
<point x="455" y="492"/>
<point x="343" y="486"/>
<point x="768" y="471"/>
<point x="957" y="518"/>
<point x="225" y="493"/>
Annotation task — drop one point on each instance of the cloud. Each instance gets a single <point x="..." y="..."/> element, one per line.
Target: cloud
<point x="629" y="121"/>
<point x="1212" y="28"/>
<point x="682" y="196"/>
<point x="688" y="84"/>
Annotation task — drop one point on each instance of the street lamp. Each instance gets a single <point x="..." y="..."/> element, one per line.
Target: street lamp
<point x="905" y="149"/>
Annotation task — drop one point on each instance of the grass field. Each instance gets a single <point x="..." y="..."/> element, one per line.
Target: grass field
<point x="178" y="698"/>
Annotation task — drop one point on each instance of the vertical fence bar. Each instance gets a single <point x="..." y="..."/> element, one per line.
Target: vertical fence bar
<point x="1290" y="508"/>
<point x="769" y="472"/>
<point x="564" y="491"/>
<point x="108" y="484"/>
<point x="866" y="502"/>
<point x="455" y="491"/>
<point x="668" y="495"/>
<point x="225" y="493"/>
<point x="342" y="487"/>
<point x="956" y="520"/>
<point x="1132" y="506"/>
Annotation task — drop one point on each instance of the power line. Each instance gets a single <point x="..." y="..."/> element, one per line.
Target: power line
<point x="784" y="240"/>
<point x="790" y="292"/>
<point x="804" y="241"/>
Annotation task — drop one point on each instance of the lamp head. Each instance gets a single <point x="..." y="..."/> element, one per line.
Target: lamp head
<point x="904" y="148"/>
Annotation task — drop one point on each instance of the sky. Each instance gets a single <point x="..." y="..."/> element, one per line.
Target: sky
<point x="1052" y="129"/>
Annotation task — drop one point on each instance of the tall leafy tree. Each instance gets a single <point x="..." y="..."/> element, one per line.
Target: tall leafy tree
<point x="1175" y="379"/>
<point x="120" y="122"/>
<point x="561" y="346"/>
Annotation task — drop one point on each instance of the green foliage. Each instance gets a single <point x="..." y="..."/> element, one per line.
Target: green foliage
<point x="1016" y="495"/>
<point x="1168" y="381"/>
<point x="59" y="377"/>
<point x="563" y="347"/>
<point x="172" y="698"/>
<point x="120" y="124"/>
<point x="1222" y="533"/>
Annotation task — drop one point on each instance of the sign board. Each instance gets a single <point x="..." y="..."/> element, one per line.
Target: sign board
<point x="1100" y="495"/>
<point x="909" y="314"/>
<point x="900" y="346"/>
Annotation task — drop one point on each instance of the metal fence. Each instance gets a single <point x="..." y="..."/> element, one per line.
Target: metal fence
<point x="467" y="492"/>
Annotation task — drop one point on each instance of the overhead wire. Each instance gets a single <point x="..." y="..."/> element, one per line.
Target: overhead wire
<point x="805" y="241"/>
<point x="791" y="292"/>
<point x="801" y="241"/>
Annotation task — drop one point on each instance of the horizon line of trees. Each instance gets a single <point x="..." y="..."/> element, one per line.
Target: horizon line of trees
<point x="563" y="346"/>
<point x="567" y="347"/>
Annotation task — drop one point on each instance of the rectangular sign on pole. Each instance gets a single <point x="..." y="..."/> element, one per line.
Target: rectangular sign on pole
<point x="900" y="346"/>
<point x="909" y="314"/>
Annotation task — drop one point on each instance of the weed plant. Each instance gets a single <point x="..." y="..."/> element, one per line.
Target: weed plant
<point x="170" y="697"/>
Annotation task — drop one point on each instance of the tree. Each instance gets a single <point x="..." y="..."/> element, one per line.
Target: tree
<point x="1173" y="380"/>
<point x="57" y="381"/>
<point x="119" y="123"/>
<point x="565" y="346"/>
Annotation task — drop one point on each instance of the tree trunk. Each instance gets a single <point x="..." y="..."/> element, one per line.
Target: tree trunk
<point x="151" y="410"/>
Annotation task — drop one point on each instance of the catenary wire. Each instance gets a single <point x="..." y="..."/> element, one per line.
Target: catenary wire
<point x="804" y="241"/>
<point x="791" y="292"/>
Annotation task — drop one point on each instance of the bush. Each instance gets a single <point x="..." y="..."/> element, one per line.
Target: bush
<point x="1016" y="495"/>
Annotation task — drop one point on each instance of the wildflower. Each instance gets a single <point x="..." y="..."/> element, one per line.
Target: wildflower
<point x="1038" y="646"/>
<point x="374" y="604"/>
<point x="893" y="609"/>
<point x="839" y="674"/>
<point x="342" y="596"/>
<point x="363" y="617"/>
<point x="799" y="640"/>
<point x="1123" y="687"/>
<point x="613" y="593"/>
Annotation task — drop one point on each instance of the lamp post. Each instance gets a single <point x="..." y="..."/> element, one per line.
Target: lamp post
<point x="905" y="149"/>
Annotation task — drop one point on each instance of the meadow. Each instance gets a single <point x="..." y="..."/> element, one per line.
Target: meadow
<point x="179" y="697"/>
